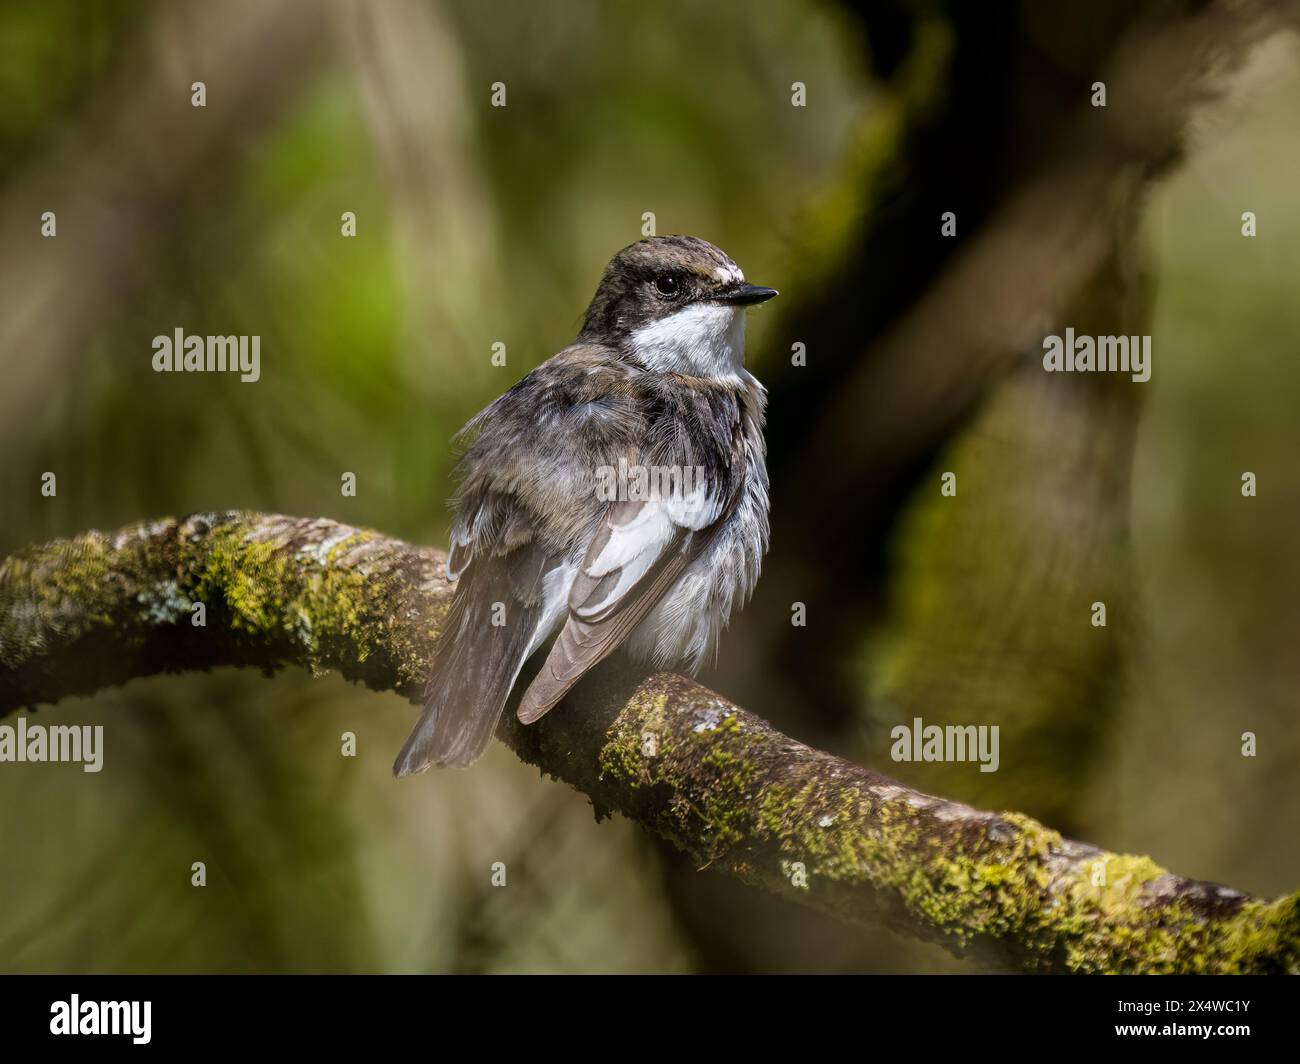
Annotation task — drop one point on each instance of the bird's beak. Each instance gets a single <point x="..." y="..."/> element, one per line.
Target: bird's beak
<point x="747" y="295"/>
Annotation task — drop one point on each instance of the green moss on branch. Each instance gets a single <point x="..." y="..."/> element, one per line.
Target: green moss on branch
<point x="721" y="784"/>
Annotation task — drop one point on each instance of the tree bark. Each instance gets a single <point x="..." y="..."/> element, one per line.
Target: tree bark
<point x="725" y="787"/>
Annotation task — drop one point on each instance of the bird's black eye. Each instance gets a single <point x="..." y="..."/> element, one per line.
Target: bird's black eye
<point x="668" y="285"/>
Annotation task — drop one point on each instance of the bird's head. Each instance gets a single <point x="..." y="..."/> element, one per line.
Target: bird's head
<point x="674" y="304"/>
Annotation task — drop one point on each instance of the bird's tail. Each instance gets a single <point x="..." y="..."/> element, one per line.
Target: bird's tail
<point x="486" y="637"/>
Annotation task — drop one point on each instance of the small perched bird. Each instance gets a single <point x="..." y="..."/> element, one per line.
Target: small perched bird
<point x="616" y="495"/>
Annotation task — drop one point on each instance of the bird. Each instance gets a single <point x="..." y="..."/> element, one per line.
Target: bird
<point x="615" y="497"/>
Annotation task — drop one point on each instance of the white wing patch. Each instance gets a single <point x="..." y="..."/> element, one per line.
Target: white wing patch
<point x="555" y="607"/>
<point x="648" y="532"/>
<point x="631" y="551"/>
<point x="638" y="538"/>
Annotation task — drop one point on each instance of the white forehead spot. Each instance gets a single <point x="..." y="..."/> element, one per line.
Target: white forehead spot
<point x="729" y="274"/>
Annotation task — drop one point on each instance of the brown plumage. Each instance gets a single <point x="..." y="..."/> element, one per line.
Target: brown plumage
<point x="548" y="539"/>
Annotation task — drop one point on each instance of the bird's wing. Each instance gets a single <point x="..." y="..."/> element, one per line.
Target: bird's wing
<point x="639" y="551"/>
<point x="504" y="608"/>
<point x="510" y="547"/>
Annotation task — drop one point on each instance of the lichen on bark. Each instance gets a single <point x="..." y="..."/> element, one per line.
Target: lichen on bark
<point x="721" y="784"/>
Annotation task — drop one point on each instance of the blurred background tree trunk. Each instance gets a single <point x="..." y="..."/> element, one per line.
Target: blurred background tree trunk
<point x="973" y="609"/>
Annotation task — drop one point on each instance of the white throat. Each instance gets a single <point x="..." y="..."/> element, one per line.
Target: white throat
<point x="702" y="340"/>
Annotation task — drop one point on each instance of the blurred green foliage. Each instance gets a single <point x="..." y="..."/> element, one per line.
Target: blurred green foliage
<point x="316" y="862"/>
<point x="478" y="225"/>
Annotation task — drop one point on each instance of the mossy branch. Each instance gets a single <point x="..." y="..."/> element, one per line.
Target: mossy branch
<point x="733" y="793"/>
